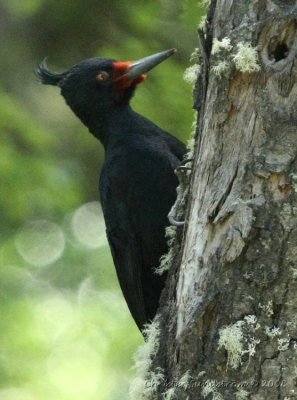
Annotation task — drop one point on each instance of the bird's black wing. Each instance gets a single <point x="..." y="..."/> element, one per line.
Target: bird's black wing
<point x="125" y="253"/>
<point x="177" y="148"/>
<point x="137" y="190"/>
<point x="122" y="239"/>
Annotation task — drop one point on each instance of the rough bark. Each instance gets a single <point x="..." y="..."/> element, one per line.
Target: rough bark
<point x="235" y="280"/>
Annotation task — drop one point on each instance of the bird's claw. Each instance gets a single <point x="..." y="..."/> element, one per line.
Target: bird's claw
<point x="182" y="170"/>
<point x="182" y="173"/>
<point x="174" y="222"/>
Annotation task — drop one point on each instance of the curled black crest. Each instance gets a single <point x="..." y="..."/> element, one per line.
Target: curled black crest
<point x="47" y="77"/>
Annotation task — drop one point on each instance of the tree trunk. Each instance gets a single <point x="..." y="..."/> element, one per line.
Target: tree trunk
<point x="228" y="321"/>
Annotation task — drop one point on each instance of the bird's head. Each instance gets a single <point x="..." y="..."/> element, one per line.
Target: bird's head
<point x="97" y="85"/>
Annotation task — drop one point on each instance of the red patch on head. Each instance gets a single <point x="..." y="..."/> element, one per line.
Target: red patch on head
<point x="121" y="82"/>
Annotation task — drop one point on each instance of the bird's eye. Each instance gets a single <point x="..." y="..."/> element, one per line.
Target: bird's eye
<point x="102" y="76"/>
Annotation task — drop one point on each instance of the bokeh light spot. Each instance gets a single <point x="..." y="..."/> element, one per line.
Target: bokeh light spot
<point x="88" y="225"/>
<point x="40" y="242"/>
<point x="16" y="394"/>
<point x="76" y="362"/>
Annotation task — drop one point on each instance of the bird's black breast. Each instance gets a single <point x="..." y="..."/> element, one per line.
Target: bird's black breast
<point x="137" y="190"/>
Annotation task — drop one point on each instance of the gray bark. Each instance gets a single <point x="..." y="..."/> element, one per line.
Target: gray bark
<point x="228" y="319"/>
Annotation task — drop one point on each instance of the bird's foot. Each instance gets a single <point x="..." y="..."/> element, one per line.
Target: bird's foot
<point x="183" y="173"/>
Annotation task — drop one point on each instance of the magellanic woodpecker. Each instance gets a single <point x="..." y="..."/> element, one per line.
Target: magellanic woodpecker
<point x="137" y="183"/>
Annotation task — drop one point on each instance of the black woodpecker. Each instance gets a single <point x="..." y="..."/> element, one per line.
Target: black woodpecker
<point x="137" y="183"/>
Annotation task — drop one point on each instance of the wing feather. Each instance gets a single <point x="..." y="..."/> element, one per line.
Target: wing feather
<point x="127" y="262"/>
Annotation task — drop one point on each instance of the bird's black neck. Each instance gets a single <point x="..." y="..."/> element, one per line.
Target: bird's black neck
<point x="112" y="126"/>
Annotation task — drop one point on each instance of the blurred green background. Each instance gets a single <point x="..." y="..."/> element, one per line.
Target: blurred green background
<point x="65" y="331"/>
